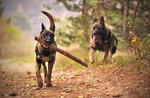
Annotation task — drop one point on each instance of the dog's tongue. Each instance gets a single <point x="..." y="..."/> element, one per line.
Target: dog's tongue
<point x="93" y="42"/>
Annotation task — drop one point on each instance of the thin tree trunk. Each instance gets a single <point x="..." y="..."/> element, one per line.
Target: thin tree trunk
<point x="104" y="4"/>
<point x="136" y="9"/>
<point x="125" y="18"/>
<point x="84" y="21"/>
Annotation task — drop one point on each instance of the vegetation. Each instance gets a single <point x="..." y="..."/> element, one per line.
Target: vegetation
<point x="129" y="23"/>
<point x="127" y="75"/>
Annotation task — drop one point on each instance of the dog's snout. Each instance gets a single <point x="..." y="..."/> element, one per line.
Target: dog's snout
<point x="48" y="41"/>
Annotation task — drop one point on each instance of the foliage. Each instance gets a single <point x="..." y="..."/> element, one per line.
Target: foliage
<point x="21" y="21"/>
<point x="79" y="27"/>
<point x="8" y="35"/>
<point x="1" y="8"/>
<point x="137" y="17"/>
<point x="140" y="47"/>
<point x="8" y="32"/>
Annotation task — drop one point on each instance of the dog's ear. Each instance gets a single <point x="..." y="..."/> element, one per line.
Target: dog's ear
<point x="95" y="20"/>
<point x="43" y="27"/>
<point x="102" y="21"/>
<point x="53" y="28"/>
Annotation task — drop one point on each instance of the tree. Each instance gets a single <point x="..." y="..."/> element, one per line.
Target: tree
<point x="80" y="28"/>
<point x="125" y="18"/>
<point x="1" y="8"/>
<point x="119" y="15"/>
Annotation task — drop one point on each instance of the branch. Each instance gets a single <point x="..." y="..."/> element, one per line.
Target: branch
<point x="134" y="16"/>
<point x="62" y="52"/>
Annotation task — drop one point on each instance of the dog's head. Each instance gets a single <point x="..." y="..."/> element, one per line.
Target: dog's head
<point x="47" y="35"/>
<point x="98" y="31"/>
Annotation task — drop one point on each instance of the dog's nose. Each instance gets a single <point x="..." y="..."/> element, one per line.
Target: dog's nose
<point x="48" y="41"/>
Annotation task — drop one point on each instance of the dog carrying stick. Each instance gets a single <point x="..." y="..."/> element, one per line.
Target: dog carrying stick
<point x="61" y="51"/>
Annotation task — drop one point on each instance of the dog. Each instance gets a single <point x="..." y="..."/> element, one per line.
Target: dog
<point x="102" y="39"/>
<point x="44" y="54"/>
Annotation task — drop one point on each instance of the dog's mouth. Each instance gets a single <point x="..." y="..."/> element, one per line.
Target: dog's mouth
<point x="45" y="46"/>
<point x="93" y="41"/>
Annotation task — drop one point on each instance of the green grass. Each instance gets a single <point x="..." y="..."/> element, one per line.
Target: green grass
<point x="24" y="53"/>
<point x="120" y="58"/>
<point x="63" y="62"/>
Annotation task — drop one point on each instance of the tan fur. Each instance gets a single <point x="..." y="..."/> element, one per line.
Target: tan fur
<point x="91" y="55"/>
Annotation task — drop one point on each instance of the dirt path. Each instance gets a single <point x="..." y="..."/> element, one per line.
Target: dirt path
<point x="94" y="82"/>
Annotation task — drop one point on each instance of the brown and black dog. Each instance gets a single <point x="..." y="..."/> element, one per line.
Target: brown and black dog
<point x="44" y="54"/>
<point x="102" y="39"/>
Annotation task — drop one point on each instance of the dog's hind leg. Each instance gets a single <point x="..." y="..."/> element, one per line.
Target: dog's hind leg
<point x="38" y="74"/>
<point x="109" y="55"/>
<point x="49" y="75"/>
<point x="45" y="71"/>
<point x="106" y="56"/>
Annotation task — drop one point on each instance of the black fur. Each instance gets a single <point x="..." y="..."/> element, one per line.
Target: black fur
<point x="102" y="38"/>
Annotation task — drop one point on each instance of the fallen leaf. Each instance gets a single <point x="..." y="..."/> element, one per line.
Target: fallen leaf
<point x="80" y="96"/>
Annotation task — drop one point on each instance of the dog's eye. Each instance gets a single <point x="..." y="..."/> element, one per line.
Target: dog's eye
<point x="99" y="28"/>
<point x="52" y="35"/>
<point x="94" y="28"/>
<point x="95" y="33"/>
<point x="46" y="34"/>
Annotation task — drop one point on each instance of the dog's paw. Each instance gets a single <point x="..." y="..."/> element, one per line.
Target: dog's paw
<point x="40" y="84"/>
<point x="92" y="62"/>
<point x="49" y="85"/>
<point x="37" y="88"/>
<point x="45" y="80"/>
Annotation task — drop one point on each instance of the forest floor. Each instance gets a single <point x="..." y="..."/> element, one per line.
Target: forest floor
<point x="92" y="82"/>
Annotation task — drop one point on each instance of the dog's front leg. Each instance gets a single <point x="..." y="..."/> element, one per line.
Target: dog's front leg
<point x="38" y="74"/>
<point x="45" y="71"/>
<point x="91" y="55"/>
<point x="50" y="67"/>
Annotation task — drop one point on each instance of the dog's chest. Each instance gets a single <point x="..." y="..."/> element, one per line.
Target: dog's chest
<point x="47" y="52"/>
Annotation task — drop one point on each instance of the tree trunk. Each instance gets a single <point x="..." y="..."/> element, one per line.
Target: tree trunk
<point x="136" y="9"/>
<point x="84" y="21"/>
<point x="125" y="18"/>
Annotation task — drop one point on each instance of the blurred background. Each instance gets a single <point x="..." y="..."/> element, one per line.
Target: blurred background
<point x="20" y="21"/>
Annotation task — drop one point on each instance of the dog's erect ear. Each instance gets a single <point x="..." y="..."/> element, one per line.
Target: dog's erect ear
<point x="95" y="20"/>
<point x="102" y="22"/>
<point x="43" y="27"/>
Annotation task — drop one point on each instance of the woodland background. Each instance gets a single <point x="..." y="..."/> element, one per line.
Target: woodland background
<point x="129" y="20"/>
<point x="126" y="77"/>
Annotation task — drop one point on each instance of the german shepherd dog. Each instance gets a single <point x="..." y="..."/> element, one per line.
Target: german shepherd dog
<point x="102" y="39"/>
<point x="44" y="54"/>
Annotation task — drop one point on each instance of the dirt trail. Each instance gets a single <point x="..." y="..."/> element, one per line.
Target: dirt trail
<point x="93" y="82"/>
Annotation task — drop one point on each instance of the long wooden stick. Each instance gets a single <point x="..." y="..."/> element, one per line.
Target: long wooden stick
<point x="55" y="48"/>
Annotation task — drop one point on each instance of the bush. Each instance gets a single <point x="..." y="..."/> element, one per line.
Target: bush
<point x="140" y="46"/>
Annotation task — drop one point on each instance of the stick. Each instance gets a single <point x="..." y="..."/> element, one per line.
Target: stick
<point x="55" y="48"/>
